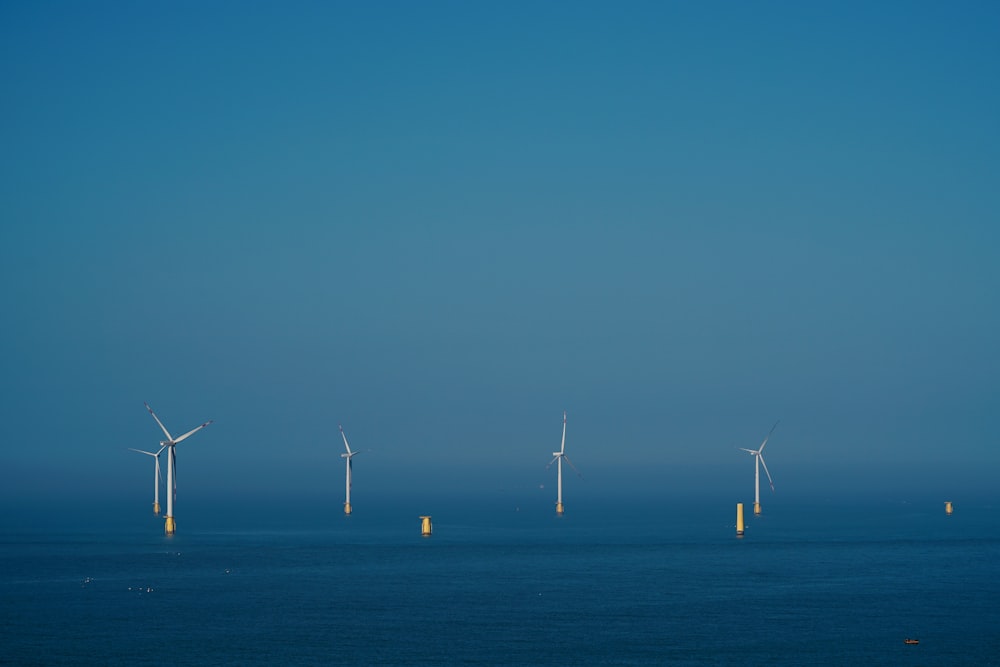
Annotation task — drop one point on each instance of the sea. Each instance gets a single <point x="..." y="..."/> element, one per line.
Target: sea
<point x="632" y="583"/>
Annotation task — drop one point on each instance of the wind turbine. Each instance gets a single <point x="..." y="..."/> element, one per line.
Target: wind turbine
<point x="559" y="456"/>
<point x="759" y="461"/>
<point x="349" y="455"/>
<point x="156" y="477"/>
<point x="169" y="527"/>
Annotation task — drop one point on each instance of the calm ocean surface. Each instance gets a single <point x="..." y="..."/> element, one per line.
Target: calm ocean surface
<point x="494" y="586"/>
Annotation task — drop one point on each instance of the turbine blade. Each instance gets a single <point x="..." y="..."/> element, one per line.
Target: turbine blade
<point x="748" y="451"/>
<point x="573" y="467"/>
<point x="562" y="447"/>
<point x="160" y="451"/>
<point x="164" y="428"/>
<point x="173" y="463"/>
<point x="193" y="431"/>
<point x="768" y="436"/>
<point x="344" y="436"/>
<point x="551" y="462"/>
<point x="141" y="451"/>
<point x="769" y="481"/>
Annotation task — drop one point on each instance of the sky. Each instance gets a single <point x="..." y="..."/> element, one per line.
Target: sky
<point x="442" y="224"/>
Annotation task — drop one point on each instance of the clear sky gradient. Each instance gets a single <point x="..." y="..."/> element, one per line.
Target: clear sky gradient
<point x="442" y="224"/>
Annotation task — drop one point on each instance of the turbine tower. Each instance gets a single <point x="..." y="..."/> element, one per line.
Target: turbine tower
<point x="169" y="526"/>
<point x="759" y="461"/>
<point x="156" y="478"/>
<point x="349" y="455"/>
<point x="558" y="460"/>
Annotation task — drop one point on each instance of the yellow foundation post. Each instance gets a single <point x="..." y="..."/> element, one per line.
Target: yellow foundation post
<point x="559" y="508"/>
<point x="756" y="508"/>
<point x="169" y="527"/>
<point x="347" y="508"/>
<point x="425" y="526"/>
<point x="947" y="507"/>
<point x="156" y="509"/>
<point x="739" y="519"/>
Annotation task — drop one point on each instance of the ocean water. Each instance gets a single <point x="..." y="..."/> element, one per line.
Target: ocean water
<point x="499" y="586"/>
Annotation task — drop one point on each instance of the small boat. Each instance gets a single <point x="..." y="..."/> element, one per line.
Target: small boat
<point x="911" y="641"/>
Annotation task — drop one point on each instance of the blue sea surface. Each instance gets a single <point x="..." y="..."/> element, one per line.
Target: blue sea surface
<point x="500" y="586"/>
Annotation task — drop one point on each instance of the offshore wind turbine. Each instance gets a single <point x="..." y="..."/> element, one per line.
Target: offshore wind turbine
<point x="558" y="460"/>
<point x="349" y="455"/>
<point x="758" y="455"/>
<point x="156" y="477"/>
<point x="169" y="526"/>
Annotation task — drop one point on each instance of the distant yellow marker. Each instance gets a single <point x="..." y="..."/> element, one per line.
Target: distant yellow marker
<point x="425" y="526"/>
<point x="947" y="507"/>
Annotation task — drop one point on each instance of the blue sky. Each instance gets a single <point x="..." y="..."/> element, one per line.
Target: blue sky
<point x="442" y="224"/>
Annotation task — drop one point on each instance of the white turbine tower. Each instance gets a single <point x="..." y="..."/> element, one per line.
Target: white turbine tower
<point x="169" y="527"/>
<point x="156" y="477"/>
<point x="758" y="455"/>
<point x="559" y="456"/>
<point x="349" y="455"/>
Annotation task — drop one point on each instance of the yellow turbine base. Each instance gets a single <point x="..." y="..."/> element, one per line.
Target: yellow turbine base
<point x="156" y="509"/>
<point x="947" y="507"/>
<point x="425" y="526"/>
<point x="169" y="527"/>
<point x="756" y="508"/>
<point x="739" y="519"/>
<point x="347" y="508"/>
<point x="559" y="508"/>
